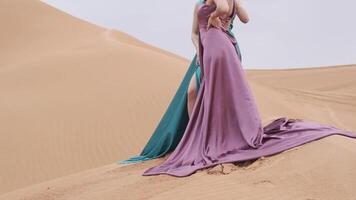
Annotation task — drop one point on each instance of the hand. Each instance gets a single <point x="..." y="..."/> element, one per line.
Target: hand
<point x="226" y="24"/>
<point x="215" y="22"/>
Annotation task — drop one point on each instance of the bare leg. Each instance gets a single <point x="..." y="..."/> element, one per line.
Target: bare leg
<point x="192" y="94"/>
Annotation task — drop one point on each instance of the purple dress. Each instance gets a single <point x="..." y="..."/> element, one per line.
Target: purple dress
<point x="225" y="125"/>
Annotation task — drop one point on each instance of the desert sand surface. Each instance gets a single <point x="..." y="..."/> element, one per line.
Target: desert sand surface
<point x="75" y="98"/>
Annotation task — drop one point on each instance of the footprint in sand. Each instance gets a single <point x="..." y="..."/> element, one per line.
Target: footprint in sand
<point x="222" y="169"/>
<point x="264" y="182"/>
<point x="227" y="168"/>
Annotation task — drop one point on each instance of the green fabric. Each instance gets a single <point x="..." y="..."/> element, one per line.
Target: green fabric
<point x="197" y="78"/>
<point x="172" y="125"/>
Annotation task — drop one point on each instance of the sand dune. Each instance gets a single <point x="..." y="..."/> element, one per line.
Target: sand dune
<point x="72" y="94"/>
<point x="301" y="173"/>
<point x="75" y="98"/>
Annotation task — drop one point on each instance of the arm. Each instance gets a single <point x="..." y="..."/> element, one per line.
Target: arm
<point x="195" y="31"/>
<point x="222" y="8"/>
<point x="241" y="12"/>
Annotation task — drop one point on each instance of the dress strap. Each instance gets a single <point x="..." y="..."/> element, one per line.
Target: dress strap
<point x="201" y="1"/>
<point x="233" y="9"/>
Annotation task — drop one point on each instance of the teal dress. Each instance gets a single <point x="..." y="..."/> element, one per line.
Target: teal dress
<point x="172" y="125"/>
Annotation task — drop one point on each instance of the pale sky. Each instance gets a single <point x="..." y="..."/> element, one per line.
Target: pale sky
<point x="280" y="34"/>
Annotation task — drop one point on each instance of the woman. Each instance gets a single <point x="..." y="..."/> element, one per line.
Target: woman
<point x="225" y="124"/>
<point x="172" y="125"/>
<point x="227" y="25"/>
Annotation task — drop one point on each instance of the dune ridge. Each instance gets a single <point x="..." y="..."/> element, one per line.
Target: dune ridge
<point x="65" y="82"/>
<point x="77" y="97"/>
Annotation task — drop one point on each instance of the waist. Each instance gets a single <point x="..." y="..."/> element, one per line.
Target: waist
<point x="228" y="33"/>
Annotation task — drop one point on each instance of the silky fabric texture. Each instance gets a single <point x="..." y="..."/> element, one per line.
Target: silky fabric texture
<point x="171" y="127"/>
<point x="225" y="124"/>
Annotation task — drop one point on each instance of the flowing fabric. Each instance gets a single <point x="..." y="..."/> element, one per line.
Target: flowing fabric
<point x="172" y="125"/>
<point x="225" y="124"/>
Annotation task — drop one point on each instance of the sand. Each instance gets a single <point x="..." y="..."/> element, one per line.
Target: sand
<point x="75" y="98"/>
